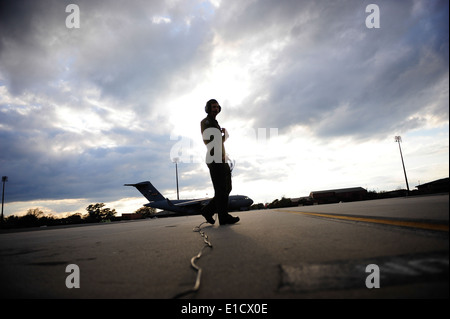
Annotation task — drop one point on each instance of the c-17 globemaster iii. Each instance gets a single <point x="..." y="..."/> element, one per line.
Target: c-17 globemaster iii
<point x="186" y="206"/>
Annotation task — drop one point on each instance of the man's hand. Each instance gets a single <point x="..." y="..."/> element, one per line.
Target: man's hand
<point x="225" y="133"/>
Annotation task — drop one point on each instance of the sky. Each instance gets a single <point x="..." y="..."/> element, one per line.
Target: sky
<point x="312" y="94"/>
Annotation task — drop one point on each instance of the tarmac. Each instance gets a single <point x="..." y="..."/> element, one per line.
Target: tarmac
<point x="319" y="252"/>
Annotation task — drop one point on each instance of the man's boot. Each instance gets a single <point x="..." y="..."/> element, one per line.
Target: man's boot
<point x="227" y="219"/>
<point x="208" y="216"/>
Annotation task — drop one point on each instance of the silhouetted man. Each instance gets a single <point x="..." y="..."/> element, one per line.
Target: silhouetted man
<point x="214" y="137"/>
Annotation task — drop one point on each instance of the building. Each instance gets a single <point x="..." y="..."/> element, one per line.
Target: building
<point x="437" y="186"/>
<point x="131" y="216"/>
<point x="339" y="195"/>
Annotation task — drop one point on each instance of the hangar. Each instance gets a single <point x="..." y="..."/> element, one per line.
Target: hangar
<point x="339" y="195"/>
<point x="437" y="186"/>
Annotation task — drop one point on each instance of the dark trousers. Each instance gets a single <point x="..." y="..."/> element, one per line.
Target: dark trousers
<point x="221" y="179"/>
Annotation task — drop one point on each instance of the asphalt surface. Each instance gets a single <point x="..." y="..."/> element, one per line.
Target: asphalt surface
<point x="301" y="252"/>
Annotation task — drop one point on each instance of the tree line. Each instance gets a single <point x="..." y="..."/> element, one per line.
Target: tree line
<point x="96" y="213"/>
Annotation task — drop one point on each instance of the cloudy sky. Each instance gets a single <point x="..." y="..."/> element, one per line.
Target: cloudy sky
<point x="312" y="98"/>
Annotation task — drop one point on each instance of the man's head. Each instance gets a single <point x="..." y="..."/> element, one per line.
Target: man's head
<point x="212" y="107"/>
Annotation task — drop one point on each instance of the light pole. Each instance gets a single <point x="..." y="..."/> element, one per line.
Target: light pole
<point x="4" y="180"/>
<point x="175" y="160"/>
<point x="399" y="139"/>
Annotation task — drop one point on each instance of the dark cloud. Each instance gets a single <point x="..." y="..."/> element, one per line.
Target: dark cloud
<point x="118" y="48"/>
<point x="339" y="78"/>
<point x="37" y="171"/>
<point x="142" y="60"/>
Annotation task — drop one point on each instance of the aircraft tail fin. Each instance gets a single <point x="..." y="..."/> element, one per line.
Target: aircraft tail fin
<point x="148" y="190"/>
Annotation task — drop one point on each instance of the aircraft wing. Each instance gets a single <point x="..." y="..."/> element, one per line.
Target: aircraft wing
<point x="184" y="207"/>
<point x="202" y="201"/>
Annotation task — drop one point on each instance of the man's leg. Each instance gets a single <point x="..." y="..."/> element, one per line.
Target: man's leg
<point x="226" y="186"/>
<point x="219" y="184"/>
<point x="210" y="208"/>
<point x="208" y="211"/>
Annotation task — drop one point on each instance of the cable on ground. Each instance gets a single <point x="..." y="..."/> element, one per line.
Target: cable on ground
<point x="196" y="287"/>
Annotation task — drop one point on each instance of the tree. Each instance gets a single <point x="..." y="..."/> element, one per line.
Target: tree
<point x="31" y="218"/>
<point x="97" y="213"/>
<point x="73" y="219"/>
<point x="146" y="211"/>
<point x="35" y="212"/>
<point x="34" y="217"/>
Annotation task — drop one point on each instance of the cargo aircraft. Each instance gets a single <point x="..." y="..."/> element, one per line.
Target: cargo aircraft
<point x="186" y="206"/>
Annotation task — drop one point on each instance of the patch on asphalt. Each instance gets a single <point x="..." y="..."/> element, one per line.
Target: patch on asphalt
<point x="393" y="270"/>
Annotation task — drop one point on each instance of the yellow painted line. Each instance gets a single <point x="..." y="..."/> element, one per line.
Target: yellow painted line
<point x="403" y="223"/>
